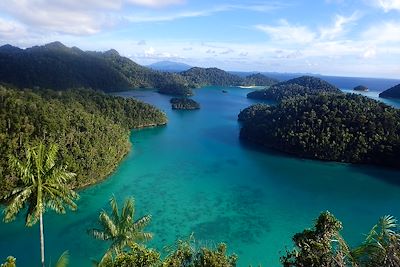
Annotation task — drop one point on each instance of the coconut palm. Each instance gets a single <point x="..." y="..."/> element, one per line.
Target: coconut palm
<point x="42" y="185"/>
<point x="120" y="227"/>
<point x="382" y="245"/>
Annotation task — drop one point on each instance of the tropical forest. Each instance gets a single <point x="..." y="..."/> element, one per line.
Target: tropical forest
<point x="182" y="133"/>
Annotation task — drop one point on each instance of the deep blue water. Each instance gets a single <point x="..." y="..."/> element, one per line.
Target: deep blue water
<point x="195" y="176"/>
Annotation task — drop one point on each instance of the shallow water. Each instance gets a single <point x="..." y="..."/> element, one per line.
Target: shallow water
<point x="194" y="175"/>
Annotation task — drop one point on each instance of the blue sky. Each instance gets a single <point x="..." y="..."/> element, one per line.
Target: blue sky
<point x="334" y="37"/>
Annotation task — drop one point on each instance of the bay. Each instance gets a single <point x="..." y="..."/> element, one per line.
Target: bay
<point x="194" y="175"/>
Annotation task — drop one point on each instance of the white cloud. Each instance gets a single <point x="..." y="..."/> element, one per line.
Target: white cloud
<point x="338" y="27"/>
<point x="285" y="32"/>
<point x="155" y="3"/>
<point x="370" y="52"/>
<point x="74" y="17"/>
<point x="10" y="29"/>
<point x="387" y="5"/>
<point x="384" y="33"/>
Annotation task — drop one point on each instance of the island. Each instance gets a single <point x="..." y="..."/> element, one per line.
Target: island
<point x="334" y="127"/>
<point x="393" y="92"/>
<point x="305" y="85"/>
<point x="184" y="103"/>
<point x="361" y="88"/>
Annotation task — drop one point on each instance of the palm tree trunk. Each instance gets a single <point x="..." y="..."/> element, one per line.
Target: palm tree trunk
<point x="41" y="239"/>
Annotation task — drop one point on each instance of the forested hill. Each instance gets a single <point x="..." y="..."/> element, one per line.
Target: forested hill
<point x="198" y="77"/>
<point x="338" y="127"/>
<point x="305" y="85"/>
<point x="59" y="67"/>
<point x="90" y="128"/>
<point x="259" y="79"/>
<point x="393" y="92"/>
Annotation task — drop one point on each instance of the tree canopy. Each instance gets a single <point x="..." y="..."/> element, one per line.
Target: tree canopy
<point x="338" y="127"/>
<point x="305" y="85"/>
<point x="90" y="128"/>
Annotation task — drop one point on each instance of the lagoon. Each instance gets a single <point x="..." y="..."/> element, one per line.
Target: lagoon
<point x="194" y="175"/>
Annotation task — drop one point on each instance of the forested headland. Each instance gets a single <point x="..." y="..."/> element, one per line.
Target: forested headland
<point x="90" y="128"/>
<point x="336" y="127"/>
<point x="393" y="92"/>
<point x="305" y="85"/>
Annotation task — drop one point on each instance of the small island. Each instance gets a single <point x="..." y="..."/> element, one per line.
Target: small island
<point x="361" y="88"/>
<point x="332" y="127"/>
<point x="393" y="92"/>
<point x="184" y="103"/>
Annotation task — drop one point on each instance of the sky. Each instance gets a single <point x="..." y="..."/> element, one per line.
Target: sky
<point x="331" y="37"/>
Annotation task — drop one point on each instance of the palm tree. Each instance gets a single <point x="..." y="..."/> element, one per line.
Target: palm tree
<point x="120" y="227"/>
<point x="382" y="245"/>
<point x="42" y="185"/>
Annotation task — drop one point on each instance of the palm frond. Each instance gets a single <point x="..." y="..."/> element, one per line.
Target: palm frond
<point x="98" y="234"/>
<point x="142" y="222"/>
<point x="114" y="208"/>
<point x="128" y="210"/>
<point x="108" y="224"/>
<point x="51" y="156"/>
<point x="63" y="260"/>
<point x="16" y="204"/>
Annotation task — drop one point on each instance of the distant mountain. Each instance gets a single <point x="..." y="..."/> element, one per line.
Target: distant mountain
<point x="169" y="66"/>
<point x="57" y="66"/>
<point x="393" y="92"/>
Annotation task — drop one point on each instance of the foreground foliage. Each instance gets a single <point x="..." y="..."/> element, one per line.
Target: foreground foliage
<point x="323" y="246"/>
<point x="90" y="128"/>
<point x="120" y="228"/>
<point x="43" y="185"/>
<point x="338" y="127"/>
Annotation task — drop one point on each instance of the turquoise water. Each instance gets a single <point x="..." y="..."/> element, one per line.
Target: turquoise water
<point x="194" y="175"/>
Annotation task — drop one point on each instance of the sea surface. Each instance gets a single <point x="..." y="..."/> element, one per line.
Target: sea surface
<point x="194" y="175"/>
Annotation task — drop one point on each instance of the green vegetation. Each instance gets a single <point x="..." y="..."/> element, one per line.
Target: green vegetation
<point x="323" y="246"/>
<point x="43" y="186"/>
<point x="361" y="88"/>
<point x="10" y="262"/>
<point x="305" y="85"/>
<point x="184" y="103"/>
<point x="124" y="233"/>
<point x="120" y="228"/>
<point x="90" y="128"/>
<point x="188" y="253"/>
<point x="59" y="67"/>
<point x="393" y="92"/>
<point x="338" y="127"/>
<point x="175" y="89"/>
<point x="199" y="77"/>
<point x="258" y="79"/>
